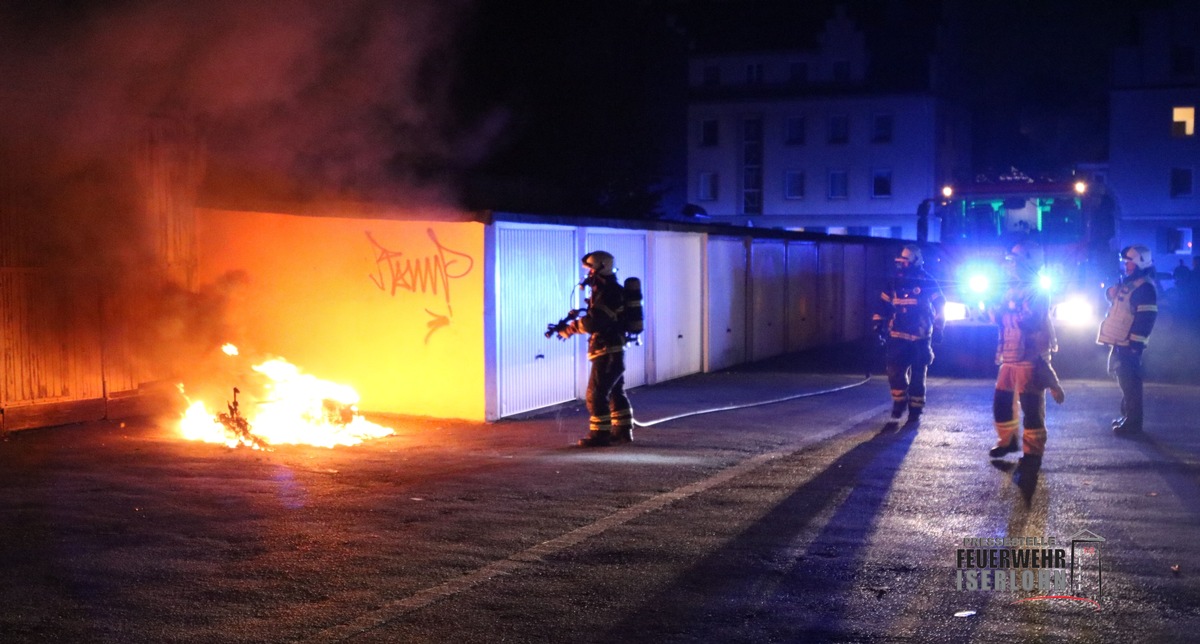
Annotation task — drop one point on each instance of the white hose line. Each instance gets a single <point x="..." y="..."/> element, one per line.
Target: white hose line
<point x="808" y="394"/>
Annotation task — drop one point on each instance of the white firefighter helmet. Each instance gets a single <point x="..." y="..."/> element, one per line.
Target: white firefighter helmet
<point x="910" y="257"/>
<point x="599" y="262"/>
<point x="1139" y="255"/>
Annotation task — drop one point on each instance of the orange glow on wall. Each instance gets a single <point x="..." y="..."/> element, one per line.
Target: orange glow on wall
<point x="392" y="308"/>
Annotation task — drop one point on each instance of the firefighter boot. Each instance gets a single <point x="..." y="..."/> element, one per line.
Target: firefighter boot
<point x="898" y="407"/>
<point x="1127" y="428"/>
<point x="914" y="416"/>
<point x="1000" y="450"/>
<point x="622" y="435"/>
<point x="597" y="438"/>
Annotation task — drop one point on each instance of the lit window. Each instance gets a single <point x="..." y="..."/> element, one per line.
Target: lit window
<point x="1181" y="182"/>
<point x="707" y="189"/>
<point x="839" y="185"/>
<point x="1179" y="241"/>
<point x="793" y="182"/>
<point x="1183" y="121"/>
<point x="881" y="183"/>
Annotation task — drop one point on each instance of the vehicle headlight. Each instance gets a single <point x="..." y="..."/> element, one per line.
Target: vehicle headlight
<point x="955" y="311"/>
<point x="1075" y="311"/>
<point x="979" y="283"/>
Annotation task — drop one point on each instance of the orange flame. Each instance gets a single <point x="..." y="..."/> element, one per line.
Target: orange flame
<point x="297" y="408"/>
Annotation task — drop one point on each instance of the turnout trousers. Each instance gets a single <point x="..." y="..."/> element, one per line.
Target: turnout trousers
<point x="1016" y="388"/>
<point x="606" y="400"/>
<point x="907" y="366"/>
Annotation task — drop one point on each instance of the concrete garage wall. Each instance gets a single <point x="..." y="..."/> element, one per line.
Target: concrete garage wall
<point x="391" y="308"/>
<point x="442" y="316"/>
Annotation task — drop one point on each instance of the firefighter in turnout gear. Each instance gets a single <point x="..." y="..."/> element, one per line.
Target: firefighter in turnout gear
<point x="605" y="321"/>
<point x="909" y="320"/>
<point x="1026" y="339"/>
<point x="1133" y="308"/>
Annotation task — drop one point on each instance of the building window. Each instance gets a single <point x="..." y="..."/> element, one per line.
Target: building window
<point x="798" y="73"/>
<point x="712" y="75"/>
<point x="754" y="74"/>
<point x="841" y="71"/>
<point x="881" y="128"/>
<point x="794" y="131"/>
<point x="881" y="183"/>
<point x="1179" y="241"/>
<point x="1181" y="182"/>
<point x="839" y="129"/>
<point x="1183" y="121"/>
<point x="839" y="185"/>
<point x="752" y="158"/>
<point x="707" y="188"/>
<point x="708" y="133"/>
<point x="793" y="184"/>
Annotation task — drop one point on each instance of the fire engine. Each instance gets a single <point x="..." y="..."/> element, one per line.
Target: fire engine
<point x="971" y="228"/>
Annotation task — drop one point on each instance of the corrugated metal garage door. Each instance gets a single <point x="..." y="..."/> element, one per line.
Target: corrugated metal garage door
<point x="803" y="288"/>
<point x="676" y="304"/>
<point x="726" y="303"/>
<point x="629" y="249"/>
<point x="768" y="286"/>
<point x="536" y="271"/>
<point x="857" y="318"/>
<point x="832" y="293"/>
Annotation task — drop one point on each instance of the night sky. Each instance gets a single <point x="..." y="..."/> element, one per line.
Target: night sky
<point x="596" y="91"/>
<point x="527" y="105"/>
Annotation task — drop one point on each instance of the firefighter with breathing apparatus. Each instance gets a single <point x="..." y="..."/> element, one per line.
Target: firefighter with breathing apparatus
<point x="612" y="317"/>
<point x="909" y="319"/>
<point x="1133" y="308"/>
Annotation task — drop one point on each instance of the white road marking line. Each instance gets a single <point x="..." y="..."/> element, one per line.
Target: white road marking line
<point x="538" y="553"/>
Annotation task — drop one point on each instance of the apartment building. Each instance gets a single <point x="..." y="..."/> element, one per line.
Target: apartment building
<point x="807" y="140"/>
<point x="1154" y="146"/>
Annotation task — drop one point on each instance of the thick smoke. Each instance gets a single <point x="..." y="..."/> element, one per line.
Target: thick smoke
<point x="117" y="116"/>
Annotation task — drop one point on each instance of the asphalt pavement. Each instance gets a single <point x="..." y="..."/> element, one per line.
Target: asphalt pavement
<point x="769" y="503"/>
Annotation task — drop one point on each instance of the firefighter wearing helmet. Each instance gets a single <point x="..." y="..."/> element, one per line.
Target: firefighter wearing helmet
<point x="1133" y="308"/>
<point x="909" y="320"/>
<point x="603" y="320"/>
<point x="1024" y="344"/>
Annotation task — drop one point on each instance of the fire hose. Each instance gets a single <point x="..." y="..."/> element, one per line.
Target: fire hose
<point x="807" y="394"/>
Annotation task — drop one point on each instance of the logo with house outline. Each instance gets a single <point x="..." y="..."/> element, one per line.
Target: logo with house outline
<point x="1087" y="570"/>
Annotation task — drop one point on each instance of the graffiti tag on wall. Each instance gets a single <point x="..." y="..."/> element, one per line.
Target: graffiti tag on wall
<point x="431" y="273"/>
